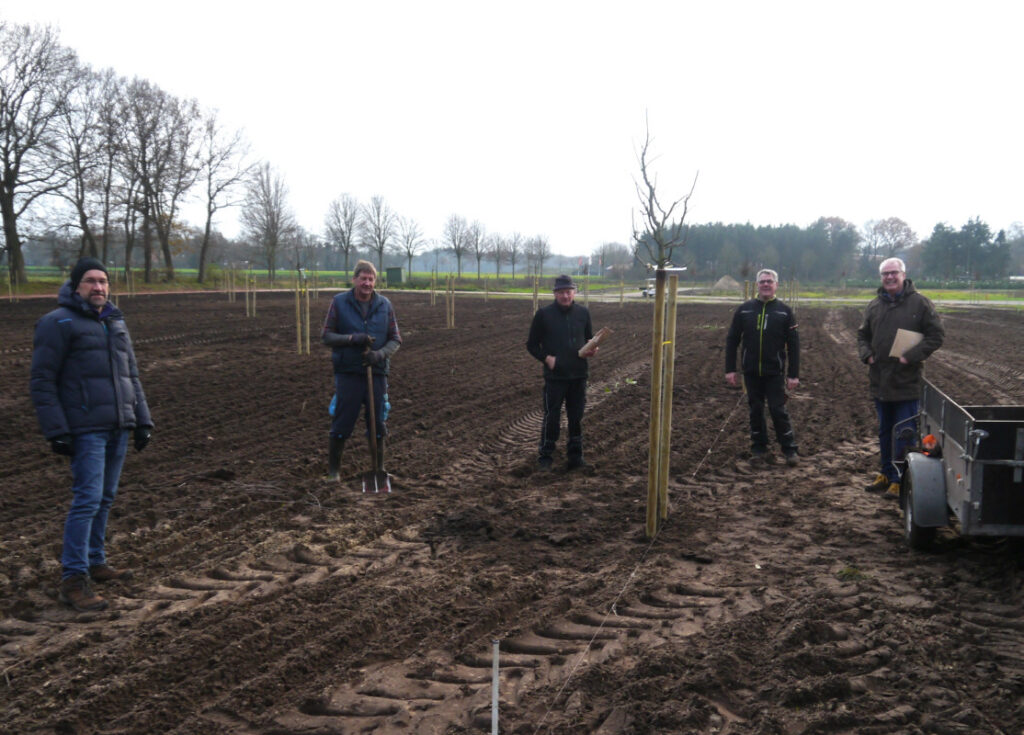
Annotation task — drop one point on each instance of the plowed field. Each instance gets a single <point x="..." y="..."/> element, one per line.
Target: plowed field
<point x="268" y="600"/>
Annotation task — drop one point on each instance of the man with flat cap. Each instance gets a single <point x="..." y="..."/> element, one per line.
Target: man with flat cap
<point x="557" y="333"/>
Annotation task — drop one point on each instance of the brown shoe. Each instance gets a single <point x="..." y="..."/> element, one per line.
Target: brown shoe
<point x="77" y="592"/>
<point x="880" y="485"/>
<point x="103" y="573"/>
<point x="894" y="490"/>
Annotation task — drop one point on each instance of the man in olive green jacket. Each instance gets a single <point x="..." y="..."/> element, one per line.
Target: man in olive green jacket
<point x="896" y="380"/>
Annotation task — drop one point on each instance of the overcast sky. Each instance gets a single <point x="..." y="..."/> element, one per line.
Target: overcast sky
<point x="528" y="116"/>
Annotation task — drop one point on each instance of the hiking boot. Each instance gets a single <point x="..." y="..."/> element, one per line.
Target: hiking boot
<point x="544" y="464"/>
<point x="77" y="593"/>
<point x="576" y="463"/>
<point x="792" y="459"/>
<point x="105" y="573"/>
<point x="893" y="491"/>
<point x="880" y="485"/>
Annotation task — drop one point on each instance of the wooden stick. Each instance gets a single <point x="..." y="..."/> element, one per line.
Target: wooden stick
<point x="597" y="339"/>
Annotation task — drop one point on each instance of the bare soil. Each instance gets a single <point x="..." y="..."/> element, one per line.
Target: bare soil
<point x="268" y="600"/>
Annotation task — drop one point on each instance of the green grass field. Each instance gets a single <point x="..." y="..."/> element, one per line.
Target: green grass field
<point x="48" y="280"/>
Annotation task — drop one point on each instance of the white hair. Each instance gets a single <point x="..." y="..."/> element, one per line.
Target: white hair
<point x="900" y="263"/>
<point x="770" y="272"/>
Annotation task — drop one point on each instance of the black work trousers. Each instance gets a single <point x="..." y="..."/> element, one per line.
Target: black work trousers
<point x="770" y="389"/>
<point x="573" y="393"/>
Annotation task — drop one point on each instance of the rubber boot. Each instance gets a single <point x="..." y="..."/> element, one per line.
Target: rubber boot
<point x="334" y="457"/>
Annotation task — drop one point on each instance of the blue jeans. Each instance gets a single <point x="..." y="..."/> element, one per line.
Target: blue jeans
<point x="95" y="470"/>
<point x="891" y="413"/>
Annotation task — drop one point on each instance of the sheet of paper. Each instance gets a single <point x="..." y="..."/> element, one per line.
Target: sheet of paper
<point x="905" y="339"/>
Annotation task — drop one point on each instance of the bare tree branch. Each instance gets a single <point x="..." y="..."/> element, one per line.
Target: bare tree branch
<point x="658" y="235"/>
<point x="342" y="224"/>
<point x="223" y="168"/>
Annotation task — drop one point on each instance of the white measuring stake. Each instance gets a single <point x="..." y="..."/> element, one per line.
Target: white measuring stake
<point x="494" y="690"/>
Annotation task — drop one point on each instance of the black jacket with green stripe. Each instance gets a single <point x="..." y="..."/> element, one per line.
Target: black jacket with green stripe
<point x="768" y="334"/>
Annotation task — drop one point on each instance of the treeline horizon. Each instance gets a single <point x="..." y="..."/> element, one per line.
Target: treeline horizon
<point x="94" y="163"/>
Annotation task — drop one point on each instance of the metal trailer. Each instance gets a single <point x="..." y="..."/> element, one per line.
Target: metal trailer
<point x="974" y="476"/>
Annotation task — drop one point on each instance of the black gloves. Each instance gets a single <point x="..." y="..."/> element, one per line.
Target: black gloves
<point x="360" y="339"/>
<point x="62" y="445"/>
<point x="374" y="358"/>
<point x="141" y="436"/>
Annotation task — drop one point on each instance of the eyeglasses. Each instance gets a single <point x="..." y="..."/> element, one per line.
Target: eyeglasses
<point x="890" y="273"/>
<point x="764" y="282"/>
<point x="95" y="281"/>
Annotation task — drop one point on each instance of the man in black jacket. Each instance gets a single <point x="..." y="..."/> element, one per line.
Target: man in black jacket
<point x="766" y="327"/>
<point x="557" y="333"/>
<point x="88" y="398"/>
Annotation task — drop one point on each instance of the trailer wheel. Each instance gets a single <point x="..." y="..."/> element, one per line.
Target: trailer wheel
<point x="918" y="537"/>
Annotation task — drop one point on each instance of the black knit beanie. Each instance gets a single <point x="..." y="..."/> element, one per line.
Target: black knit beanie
<point x="83" y="266"/>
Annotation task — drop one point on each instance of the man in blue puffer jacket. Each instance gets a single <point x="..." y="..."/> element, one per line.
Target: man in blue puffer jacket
<point x="88" y="399"/>
<point x="358" y="320"/>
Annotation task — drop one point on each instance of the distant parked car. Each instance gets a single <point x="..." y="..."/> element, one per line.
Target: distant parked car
<point x="649" y="290"/>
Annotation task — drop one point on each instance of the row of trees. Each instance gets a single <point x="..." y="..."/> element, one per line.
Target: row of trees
<point x="833" y="250"/>
<point x="375" y="228"/>
<point x="111" y="157"/>
<point x="113" y="160"/>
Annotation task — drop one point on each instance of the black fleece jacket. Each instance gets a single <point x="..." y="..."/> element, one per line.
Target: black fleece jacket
<point x="767" y="330"/>
<point x="561" y="332"/>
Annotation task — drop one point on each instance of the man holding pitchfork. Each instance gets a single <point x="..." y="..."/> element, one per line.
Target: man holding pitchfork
<point x="358" y="321"/>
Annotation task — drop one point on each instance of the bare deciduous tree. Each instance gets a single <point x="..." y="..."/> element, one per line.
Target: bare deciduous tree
<point x="179" y="167"/>
<point x="539" y="250"/>
<point x="887" y="237"/>
<point x="514" y="246"/>
<point x="222" y="157"/>
<point x="658" y="237"/>
<point x="378" y="227"/>
<point x="342" y="224"/>
<point x="455" y="238"/>
<point x="410" y="239"/>
<point x="497" y="248"/>
<point x="658" y="234"/>
<point x="265" y="213"/>
<point x="36" y="75"/>
<point x="110" y="134"/>
<point x="78" y="148"/>
<point x="160" y="151"/>
<point x="476" y="242"/>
